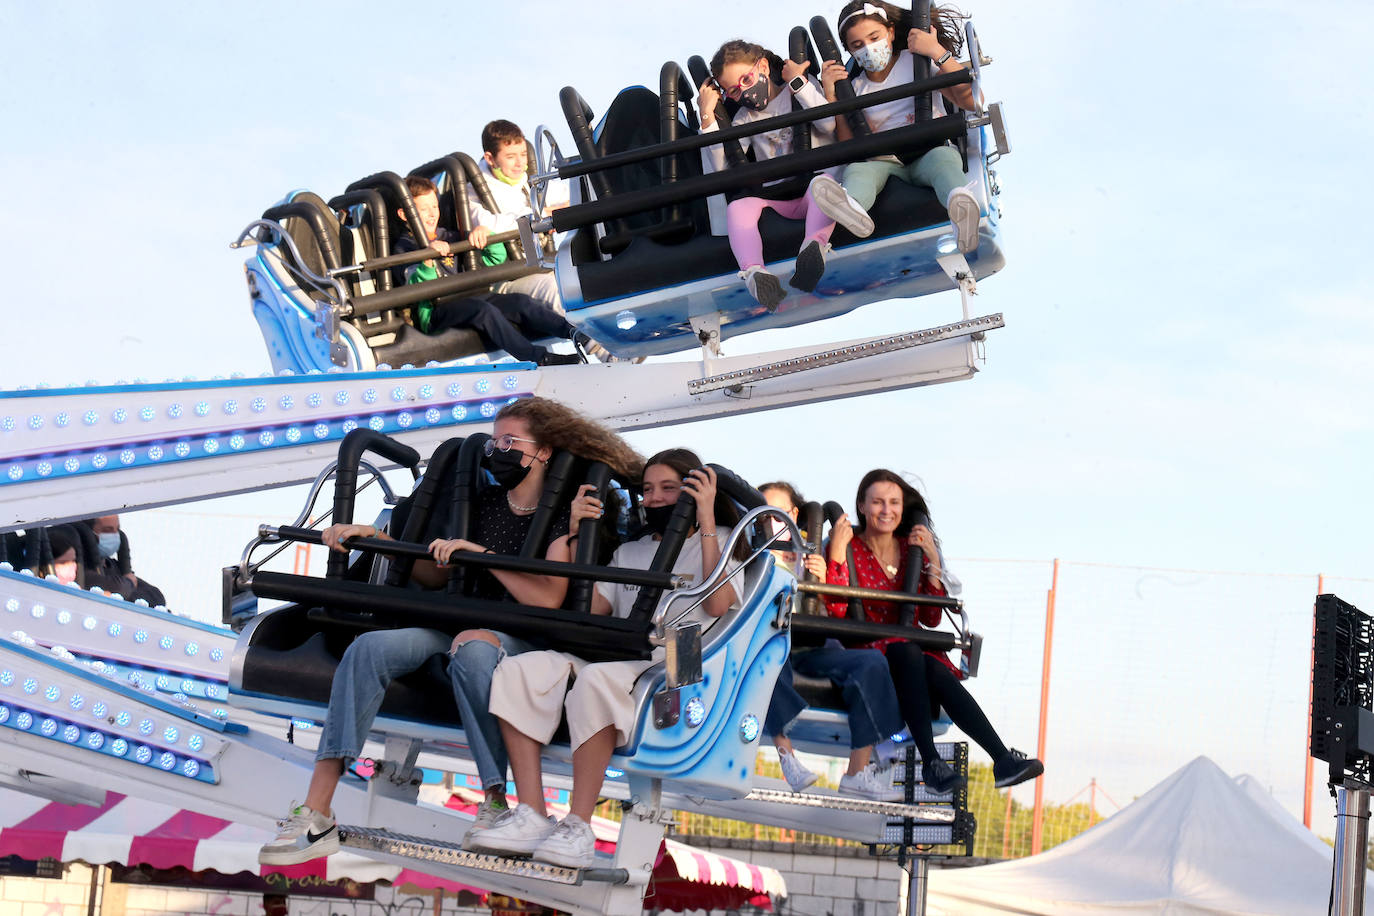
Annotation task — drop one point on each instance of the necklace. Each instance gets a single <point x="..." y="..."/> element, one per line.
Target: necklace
<point x="889" y="568"/>
<point x="514" y="507"/>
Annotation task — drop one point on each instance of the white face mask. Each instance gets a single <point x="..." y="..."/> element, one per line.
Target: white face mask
<point x="875" y="56"/>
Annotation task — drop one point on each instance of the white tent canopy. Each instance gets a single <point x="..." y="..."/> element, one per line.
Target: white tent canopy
<point x="1198" y="842"/>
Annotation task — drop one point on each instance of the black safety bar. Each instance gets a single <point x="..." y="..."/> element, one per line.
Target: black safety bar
<point x="808" y="630"/>
<point x="861" y="593"/>
<point x="640" y="577"/>
<point x="351" y="451"/>
<point x="424" y="254"/>
<point x="828" y="110"/>
<point x="899" y="139"/>
<point x="394" y="191"/>
<point x="373" y="606"/>
<point x="912" y="580"/>
<point x="411" y="293"/>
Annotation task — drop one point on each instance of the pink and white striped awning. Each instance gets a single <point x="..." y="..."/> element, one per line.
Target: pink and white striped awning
<point x="130" y="831"/>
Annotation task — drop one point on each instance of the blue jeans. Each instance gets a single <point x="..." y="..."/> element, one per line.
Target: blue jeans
<point x="862" y="677"/>
<point x="375" y="659"/>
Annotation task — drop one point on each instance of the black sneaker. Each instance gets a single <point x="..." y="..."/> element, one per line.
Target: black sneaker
<point x="810" y="266"/>
<point x="560" y="359"/>
<point x="1015" y="768"/>
<point x="940" y="778"/>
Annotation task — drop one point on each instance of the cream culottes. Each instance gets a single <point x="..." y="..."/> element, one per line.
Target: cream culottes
<point x="530" y="691"/>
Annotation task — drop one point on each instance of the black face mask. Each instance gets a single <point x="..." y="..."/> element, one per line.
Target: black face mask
<point x="756" y="96"/>
<point x="656" y="517"/>
<point x="508" y="469"/>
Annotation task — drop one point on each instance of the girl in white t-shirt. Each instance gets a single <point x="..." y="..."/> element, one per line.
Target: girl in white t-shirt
<point x="867" y="30"/>
<point x="744" y="71"/>
<point x="530" y="692"/>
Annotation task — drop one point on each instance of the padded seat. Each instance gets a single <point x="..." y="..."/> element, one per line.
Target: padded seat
<point x="292" y="657"/>
<point x="648" y="264"/>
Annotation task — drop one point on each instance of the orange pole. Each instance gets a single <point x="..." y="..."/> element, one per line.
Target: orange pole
<point x="1092" y="802"/>
<point x="302" y="564"/>
<point x="1038" y="817"/>
<point x="1307" y="749"/>
<point x="1006" y="829"/>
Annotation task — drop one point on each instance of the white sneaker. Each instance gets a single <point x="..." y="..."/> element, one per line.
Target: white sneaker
<point x="516" y="833"/>
<point x="964" y="213"/>
<point x="488" y="815"/>
<point x="763" y="286"/>
<point x="836" y="203"/>
<point x="867" y="783"/>
<point x="304" y="834"/>
<point x="571" y="844"/>
<point x="795" y="772"/>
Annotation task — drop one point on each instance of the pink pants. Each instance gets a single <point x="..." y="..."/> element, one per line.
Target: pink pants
<point x="742" y="224"/>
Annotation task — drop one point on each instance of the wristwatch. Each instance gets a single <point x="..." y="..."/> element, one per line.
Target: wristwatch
<point x="796" y="84"/>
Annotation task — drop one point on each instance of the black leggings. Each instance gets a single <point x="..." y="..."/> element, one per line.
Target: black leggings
<point x="924" y="685"/>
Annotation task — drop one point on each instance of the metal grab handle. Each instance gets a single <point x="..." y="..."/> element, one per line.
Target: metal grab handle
<point x="718" y="575"/>
<point x="298" y="265"/>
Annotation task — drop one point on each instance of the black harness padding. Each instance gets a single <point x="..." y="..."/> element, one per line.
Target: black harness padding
<point x="393" y="189"/>
<point x="812" y="518"/>
<point x="844" y="90"/>
<point x="558" y="477"/>
<point x="734" y="150"/>
<point x="912" y="580"/>
<point x="466" y="471"/>
<point x="422" y="504"/>
<point x="589" y="539"/>
<point x="680" y="523"/>
<point x="357" y="604"/>
<point x="351" y="451"/>
<point x="833" y="511"/>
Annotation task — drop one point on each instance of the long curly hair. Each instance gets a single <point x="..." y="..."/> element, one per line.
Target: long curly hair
<point x="948" y="22"/>
<point x="560" y="427"/>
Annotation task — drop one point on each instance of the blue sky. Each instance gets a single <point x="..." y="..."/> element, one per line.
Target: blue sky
<point x="1184" y="376"/>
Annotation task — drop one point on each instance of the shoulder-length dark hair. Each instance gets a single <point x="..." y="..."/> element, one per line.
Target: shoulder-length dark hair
<point x="914" y="509"/>
<point x="683" y="461"/>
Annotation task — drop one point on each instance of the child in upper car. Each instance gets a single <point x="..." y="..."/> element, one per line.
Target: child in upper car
<point x="868" y="31"/>
<point x="745" y="73"/>
<point x="504" y="168"/>
<point x="505" y="321"/>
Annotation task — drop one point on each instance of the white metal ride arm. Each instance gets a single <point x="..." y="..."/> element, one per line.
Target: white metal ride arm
<point x="69" y="453"/>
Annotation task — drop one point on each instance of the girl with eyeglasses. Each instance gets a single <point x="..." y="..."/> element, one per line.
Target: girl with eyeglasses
<point x="868" y="32"/>
<point x="525" y="436"/>
<point x="764" y="85"/>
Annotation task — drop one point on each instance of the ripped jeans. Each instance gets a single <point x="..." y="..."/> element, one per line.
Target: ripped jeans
<point x="375" y="659"/>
